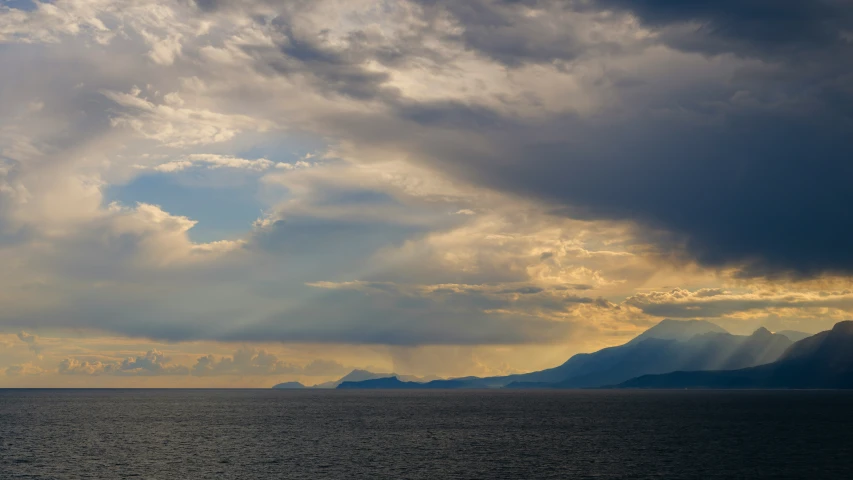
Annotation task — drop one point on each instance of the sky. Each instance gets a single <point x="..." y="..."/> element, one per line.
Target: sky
<point x="238" y="193"/>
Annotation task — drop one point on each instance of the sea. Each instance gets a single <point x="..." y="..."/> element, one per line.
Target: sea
<point x="334" y="434"/>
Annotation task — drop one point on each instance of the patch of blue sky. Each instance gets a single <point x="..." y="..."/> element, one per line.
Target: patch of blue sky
<point x="224" y="202"/>
<point x="21" y="4"/>
<point x="224" y="208"/>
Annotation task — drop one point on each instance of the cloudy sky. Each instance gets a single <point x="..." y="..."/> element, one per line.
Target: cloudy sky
<point x="243" y="192"/>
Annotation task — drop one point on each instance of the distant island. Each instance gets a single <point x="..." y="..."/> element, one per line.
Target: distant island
<point x="357" y="376"/>
<point x="672" y="354"/>
<point x="289" y="385"/>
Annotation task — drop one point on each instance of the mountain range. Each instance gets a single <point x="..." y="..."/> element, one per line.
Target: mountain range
<point x="666" y="347"/>
<point x="671" y="354"/>
<point x="824" y="360"/>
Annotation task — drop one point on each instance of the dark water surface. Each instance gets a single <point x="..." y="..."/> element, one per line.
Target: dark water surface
<point x="189" y="434"/>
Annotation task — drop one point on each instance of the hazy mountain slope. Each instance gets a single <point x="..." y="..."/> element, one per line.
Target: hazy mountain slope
<point x="583" y="363"/>
<point x="794" y="335"/>
<point x="710" y="351"/>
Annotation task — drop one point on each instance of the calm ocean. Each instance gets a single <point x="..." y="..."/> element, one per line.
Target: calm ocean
<point x="190" y="434"/>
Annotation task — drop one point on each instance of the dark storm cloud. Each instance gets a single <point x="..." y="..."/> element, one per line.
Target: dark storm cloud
<point x="755" y="25"/>
<point x="766" y="191"/>
<point x="750" y="168"/>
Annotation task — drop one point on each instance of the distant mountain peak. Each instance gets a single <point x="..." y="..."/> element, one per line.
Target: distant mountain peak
<point x="679" y="330"/>
<point x="761" y="332"/>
